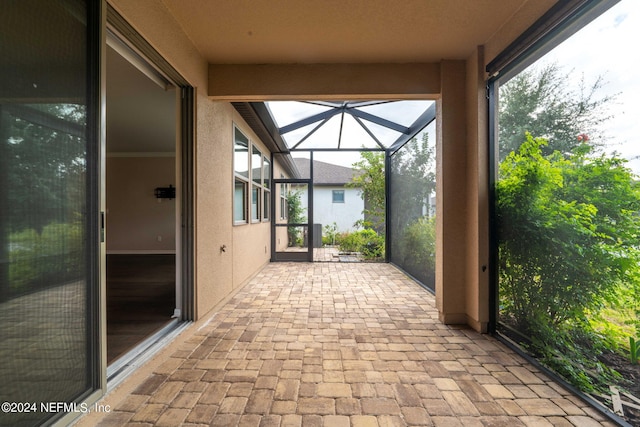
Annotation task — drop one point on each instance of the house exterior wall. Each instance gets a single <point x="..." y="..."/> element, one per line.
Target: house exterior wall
<point x="477" y="220"/>
<point x="451" y="202"/>
<point x="325" y="212"/>
<point x="251" y="245"/>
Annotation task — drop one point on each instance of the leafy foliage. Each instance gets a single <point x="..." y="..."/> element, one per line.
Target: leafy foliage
<point x="412" y="220"/>
<point x="577" y="213"/>
<point x="578" y="218"/>
<point x="42" y="167"/>
<point x="51" y="257"/>
<point x="367" y="242"/>
<point x="541" y="101"/>
<point x="329" y="234"/>
<point x="370" y="181"/>
<point x="634" y="350"/>
<point x="45" y="166"/>
<point x="295" y="215"/>
<point x="418" y="249"/>
<point x="413" y="181"/>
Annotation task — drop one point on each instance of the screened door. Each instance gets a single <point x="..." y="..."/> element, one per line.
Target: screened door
<point x="49" y="230"/>
<point x="291" y="234"/>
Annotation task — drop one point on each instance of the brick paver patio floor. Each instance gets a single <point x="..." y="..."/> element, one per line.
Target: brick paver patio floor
<point x="332" y="344"/>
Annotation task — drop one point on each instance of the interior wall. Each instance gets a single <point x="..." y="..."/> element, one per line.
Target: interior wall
<point x="138" y="222"/>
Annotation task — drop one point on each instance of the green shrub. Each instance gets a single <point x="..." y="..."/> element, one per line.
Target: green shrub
<point x="367" y="242"/>
<point x="634" y="350"/>
<point x="418" y="246"/>
<point x="568" y="230"/>
<point x="51" y="257"/>
<point x="340" y="237"/>
<point x="329" y="233"/>
<point x="295" y="215"/>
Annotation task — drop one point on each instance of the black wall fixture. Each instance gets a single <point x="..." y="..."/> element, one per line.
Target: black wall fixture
<point x="165" y="192"/>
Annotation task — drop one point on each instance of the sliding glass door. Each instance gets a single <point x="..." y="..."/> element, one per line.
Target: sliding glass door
<point x="49" y="230"/>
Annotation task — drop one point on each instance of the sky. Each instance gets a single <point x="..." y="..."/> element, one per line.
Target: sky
<point x="607" y="47"/>
<point x="353" y="135"/>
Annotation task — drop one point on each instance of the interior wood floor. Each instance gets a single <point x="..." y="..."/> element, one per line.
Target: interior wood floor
<point x="140" y="299"/>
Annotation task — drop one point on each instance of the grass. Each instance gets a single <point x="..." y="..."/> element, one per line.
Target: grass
<point x="618" y="321"/>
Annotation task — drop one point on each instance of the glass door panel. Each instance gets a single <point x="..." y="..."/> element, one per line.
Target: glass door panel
<point x="48" y="224"/>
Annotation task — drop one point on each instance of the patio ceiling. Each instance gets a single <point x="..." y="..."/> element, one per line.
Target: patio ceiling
<point x="338" y="31"/>
<point x="349" y="125"/>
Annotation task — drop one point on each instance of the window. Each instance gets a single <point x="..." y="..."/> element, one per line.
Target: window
<point x="283" y="199"/>
<point x="337" y="196"/>
<point x="266" y="184"/>
<point x="241" y="157"/>
<point x="256" y="184"/>
<point x="255" y="204"/>
<point x="241" y="171"/>
<point x="252" y="170"/>
<point x="240" y="201"/>
<point x="266" y="205"/>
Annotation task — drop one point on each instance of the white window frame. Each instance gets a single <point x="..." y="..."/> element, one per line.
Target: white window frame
<point x="256" y="182"/>
<point x="239" y="177"/>
<point x="266" y="189"/>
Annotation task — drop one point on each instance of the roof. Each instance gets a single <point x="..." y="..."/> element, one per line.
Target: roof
<point x="325" y="173"/>
<point x="351" y="125"/>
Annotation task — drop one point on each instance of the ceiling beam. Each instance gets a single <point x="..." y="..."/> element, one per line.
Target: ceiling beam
<point x="323" y="82"/>
<point x="420" y="123"/>
<point x="378" y="120"/>
<point x="324" y="116"/>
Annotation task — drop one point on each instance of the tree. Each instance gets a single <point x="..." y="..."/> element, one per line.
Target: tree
<point x="412" y="225"/>
<point x="370" y="181"/>
<point x="413" y="181"/>
<point x="295" y="215"/>
<point x="577" y="213"/>
<point x="42" y="204"/>
<point x="545" y="103"/>
<point x="46" y="145"/>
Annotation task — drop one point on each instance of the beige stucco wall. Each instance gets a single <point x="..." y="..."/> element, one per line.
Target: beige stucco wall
<point x="477" y="219"/>
<point x="138" y="222"/>
<point x="217" y="272"/>
<point x="251" y="245"/>
<point x="451" y="188"/>
<point x="323" y="81"/>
